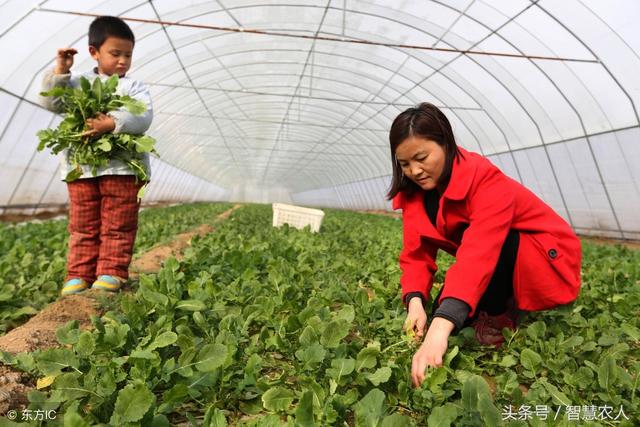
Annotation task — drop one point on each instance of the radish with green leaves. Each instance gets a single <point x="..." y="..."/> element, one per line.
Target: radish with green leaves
<point x="86" y="102"/>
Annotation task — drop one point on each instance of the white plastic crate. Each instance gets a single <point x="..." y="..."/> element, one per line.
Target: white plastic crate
<point x="297" y="216"/>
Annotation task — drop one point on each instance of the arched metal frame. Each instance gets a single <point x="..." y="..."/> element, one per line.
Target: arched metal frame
<point x="294" y="130"/>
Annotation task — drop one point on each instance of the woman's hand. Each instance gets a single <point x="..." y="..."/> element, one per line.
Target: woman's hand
<point x="432" y="349"/>
<point x="416" y="318"/>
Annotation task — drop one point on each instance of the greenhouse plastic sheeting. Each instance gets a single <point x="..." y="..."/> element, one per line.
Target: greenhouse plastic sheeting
<point x="292" y="101"/>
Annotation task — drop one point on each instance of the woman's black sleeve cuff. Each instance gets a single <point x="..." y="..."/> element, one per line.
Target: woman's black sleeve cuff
<point x="410" y="295"/>
<point x="454" y="310"/>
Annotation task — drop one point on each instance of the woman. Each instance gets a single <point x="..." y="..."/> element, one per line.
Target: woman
<point x="513" y="252"/>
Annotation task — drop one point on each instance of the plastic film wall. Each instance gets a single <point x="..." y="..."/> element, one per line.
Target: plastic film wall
<point x="292" y="101"/>
<point x="31" y="180"/>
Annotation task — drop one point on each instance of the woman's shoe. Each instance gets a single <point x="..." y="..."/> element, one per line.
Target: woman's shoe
<point x="489" y="328"/>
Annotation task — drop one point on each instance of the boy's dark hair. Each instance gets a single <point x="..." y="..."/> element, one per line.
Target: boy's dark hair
<point x="108" y="26"/>
<point x="428" y="122"/>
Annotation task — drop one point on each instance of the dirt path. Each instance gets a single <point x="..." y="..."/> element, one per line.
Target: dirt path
<point x="383" y="213"/>
<point x="39" y="332"/>
<point x="151" y="261"/>
<point x="631" y="244"/>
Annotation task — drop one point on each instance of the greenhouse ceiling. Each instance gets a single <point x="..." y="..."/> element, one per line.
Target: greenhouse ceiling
<point x="292" y="101"/>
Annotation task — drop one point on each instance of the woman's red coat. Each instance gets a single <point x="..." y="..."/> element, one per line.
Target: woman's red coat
<point x="477" y="210"/>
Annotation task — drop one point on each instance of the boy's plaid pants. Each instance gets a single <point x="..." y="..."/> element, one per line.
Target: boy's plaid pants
<point x="103" y="221"/>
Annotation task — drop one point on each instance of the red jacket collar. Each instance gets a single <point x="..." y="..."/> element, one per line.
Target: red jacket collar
<point x="462" y="174"/>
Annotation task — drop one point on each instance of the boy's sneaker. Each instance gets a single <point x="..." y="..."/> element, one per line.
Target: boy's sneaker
<point x="109" y="283"/>
<point x="489" y="328"/>
<point x="74" y="286"/>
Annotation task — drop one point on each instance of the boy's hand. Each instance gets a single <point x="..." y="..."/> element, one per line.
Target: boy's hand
<point x="99" y="125"/>
<point x="64" y="60"/>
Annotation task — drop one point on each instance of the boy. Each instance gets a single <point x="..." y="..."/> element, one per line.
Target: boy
<point x="103" y="210"/>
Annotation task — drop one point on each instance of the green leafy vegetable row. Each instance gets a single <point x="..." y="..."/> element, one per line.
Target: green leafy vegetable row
<point x="33" y="255"/>
<point x="268" y="327"/>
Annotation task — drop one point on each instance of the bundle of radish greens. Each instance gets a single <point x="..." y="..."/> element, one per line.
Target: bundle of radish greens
<point x="85" y="102"/>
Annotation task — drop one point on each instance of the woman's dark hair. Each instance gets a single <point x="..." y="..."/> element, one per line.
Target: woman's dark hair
<point x="108" y="26"/>
<point x="428" y="122"/>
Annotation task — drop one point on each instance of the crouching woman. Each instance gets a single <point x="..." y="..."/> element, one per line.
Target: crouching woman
<point x="512" y="252"/>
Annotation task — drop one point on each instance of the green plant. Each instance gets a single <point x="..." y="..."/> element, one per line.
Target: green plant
<point x="82" y="103"/>
<point x="33" y="255"/>
<point x="267" y="327"/>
